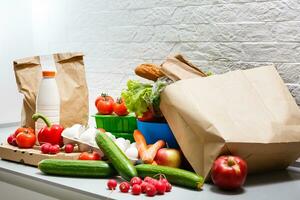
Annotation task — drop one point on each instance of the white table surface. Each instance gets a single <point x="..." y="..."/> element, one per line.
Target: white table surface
<point x="274" y="185"/>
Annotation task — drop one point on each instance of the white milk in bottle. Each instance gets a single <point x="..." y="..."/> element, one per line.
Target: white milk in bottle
<point x="48" y="100"/>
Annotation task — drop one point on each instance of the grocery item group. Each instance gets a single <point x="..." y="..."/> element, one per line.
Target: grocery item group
<point x="140" y="135"/>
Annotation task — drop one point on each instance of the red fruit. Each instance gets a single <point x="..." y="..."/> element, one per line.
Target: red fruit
<point x="160" y="187"/>
<point x="229" y="172"/>
<point x="103" y="96"/>
<point x="25" y="139"/>
<point x="22" y="129"/>
<point x="120" y="108"/>
<point x="150" y="190"/>
<point x="168" y="157"/>
<point x="69" y="148"/>
<point x="45" y="148"/>
<point x="147" y="116"/>
<point x="150" y="180"/>
<point x="143" y="186"/>
<point x="89" y="156"/>
<point x="112" y="184"/>
<point x="12" y="140"/>
<point x="124" y="187"/>
<point x="135" y="180"/>
<point x="136" y="189"/>
<point x="54" y="149"/>
<point x="168" y="187"/>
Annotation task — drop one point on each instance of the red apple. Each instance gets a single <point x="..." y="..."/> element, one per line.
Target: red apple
<point x="168" y="157"/>
<point x="229" y="172"/>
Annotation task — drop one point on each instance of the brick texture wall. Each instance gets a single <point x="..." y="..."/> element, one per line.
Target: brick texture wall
<point x="217" y="35"/>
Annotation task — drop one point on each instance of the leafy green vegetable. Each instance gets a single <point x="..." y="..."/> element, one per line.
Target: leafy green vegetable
<point x="139" y="96"/>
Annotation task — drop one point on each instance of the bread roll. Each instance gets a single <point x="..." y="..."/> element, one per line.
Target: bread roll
<point x="149" y="71"/>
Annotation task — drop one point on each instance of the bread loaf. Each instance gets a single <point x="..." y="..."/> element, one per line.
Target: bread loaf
<point x="149" y="71"/>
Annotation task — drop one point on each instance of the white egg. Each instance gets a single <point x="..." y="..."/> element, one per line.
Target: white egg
<point x="127" y="144"/>
<point x="121" y="140"/>
<point x="132" y="153"/>
<point x="133" y="145"/>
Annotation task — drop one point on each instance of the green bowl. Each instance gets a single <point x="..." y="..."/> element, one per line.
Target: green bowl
<point x="116" y="124"/>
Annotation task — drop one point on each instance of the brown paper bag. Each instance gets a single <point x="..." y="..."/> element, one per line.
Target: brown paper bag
<point x="177" y="67"/>
<point x="71" y="83"/>
<point x="245" y="113"/>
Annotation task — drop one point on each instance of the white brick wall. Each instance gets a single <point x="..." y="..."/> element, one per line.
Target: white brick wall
<point x="218" y="35"/>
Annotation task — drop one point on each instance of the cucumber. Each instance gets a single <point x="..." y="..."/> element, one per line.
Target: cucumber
<point x="116" y="156"/>
<point x="77" y="168"/>
<point x="175" y="176"/>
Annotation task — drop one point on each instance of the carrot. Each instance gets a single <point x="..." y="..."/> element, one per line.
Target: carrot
<point x="140" y="142"/>
<point x="146" y="152"/>
<point x="149" y="155"/>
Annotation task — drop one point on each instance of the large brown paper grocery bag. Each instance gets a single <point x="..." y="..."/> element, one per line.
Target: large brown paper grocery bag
<point x="245" y="113"/>
<point x="71" y="83"/>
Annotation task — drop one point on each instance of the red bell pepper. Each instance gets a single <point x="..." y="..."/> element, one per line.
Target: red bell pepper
<point x="50" y="133"/>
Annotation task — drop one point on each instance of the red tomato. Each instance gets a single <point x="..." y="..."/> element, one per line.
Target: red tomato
<point x="25" y="139"/>
<point x="120" y="108"/>
<point x="229" y="172"/>
<point x="105" y="107"/>
<point x="89" y="156"/>
<point x="22" y="129"/>
<point x="103" y="97"/>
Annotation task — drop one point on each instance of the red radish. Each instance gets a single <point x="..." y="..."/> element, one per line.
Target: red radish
<point x="136" y="189"/>
<point x="112" y="184"/>
<point x="150" y="190"/>
<point x="69" y="148"/>
<point x="143" y="186"/>
<point x="54" y="149"/>
<point x="169" y="187"/>
<point x="135" y="180"/>
<point x="164" y="180"/>
<point x="160" y="187"/>
<point x="124" y="187"/>
<point x="148" y="179"/>
<point x="45" y="148"/>
<point x="12" y="140"/>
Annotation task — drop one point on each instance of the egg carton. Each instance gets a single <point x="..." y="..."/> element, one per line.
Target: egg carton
<point x="84" y="138"/>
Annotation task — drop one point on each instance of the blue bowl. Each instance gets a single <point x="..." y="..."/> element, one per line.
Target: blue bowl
<point x="154" y="131"/>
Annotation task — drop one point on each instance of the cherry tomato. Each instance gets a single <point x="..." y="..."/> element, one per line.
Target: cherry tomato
<point x="150" y="190"/>
<point x="112" y="184"/>
<point x="135" y="180"/>
<point x="105" y="107"/>
<point x="136" y="189"/>
<point x="124" y="187"/>
<point x="103" y="97"/>
<point x="22" y="129"/>
<point x="89" y="156"/>
<point x="120" y="108"/>
<point x="69" y="148"/>
<point x="25" y="139"/>
<point x="45" y="148"/>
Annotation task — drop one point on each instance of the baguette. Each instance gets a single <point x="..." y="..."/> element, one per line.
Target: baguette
<point x="149" y="71"/>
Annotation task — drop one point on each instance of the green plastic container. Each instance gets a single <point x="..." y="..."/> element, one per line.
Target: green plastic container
<point x="116" y="124"/>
